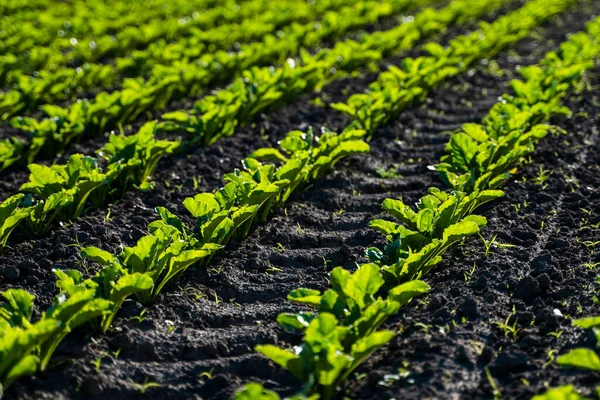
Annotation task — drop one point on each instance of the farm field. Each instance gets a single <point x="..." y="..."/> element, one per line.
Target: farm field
<point x="246" y="199"/>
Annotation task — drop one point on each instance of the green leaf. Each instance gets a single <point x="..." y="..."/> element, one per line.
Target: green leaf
<point x="58" y="200"/>
<point x="305" y="296"/>
<point x="141" y="257"/>
<point x="295" y="141"/>
<point x="425" y="219"/>
<point x="202" y="204"/>
<point x="403" y="293"/>
<point x="184" y="260"/>
<point x="367" y="345"/>
<point x="339" y="277"/>
<point x="348" y="148"/>
<point x="255" y="391"/>
<point x="478" y="220"/>
<point x="18" y="307"/>
<point x="363" y="284"/>
<point x="25" y="366"/>
<point x="475" y="131"/>
<point x="462" y="149"/>
<point x="17" y="344"/>
<point x="170" y="219"/>
<point x="284" y="358"/>
<point x="8" y="206"/>
<point x="580" y="358"/>
<point x="68" y="280"/>
<point x="100" y="256"/>
<point x="217" y="230"/>
<point x="383" y="226"/>
<point x="330" y="368"/>
<point x="459" y="231"/>
<point x="401" y="211"/>
<point x="321" y="332"/>
<point x="588" y="322"/>
<point x="268" y="154"/>
<point x="293" y="322"/>
<point x="176" y="116"/>
<point x="130" y="284"/>
<point x="289" y="170"/>
<point x="567" y="392"/>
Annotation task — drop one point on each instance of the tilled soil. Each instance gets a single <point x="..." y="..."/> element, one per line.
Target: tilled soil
<point x="197" y="340"/>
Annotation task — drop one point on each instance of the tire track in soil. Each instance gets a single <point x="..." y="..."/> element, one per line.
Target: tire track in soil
<point x="245" y="274"/>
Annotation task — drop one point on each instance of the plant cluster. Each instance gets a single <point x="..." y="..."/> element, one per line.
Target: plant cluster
<point x="42" y="23"/>
<point x="92" y="33"/>
<point x="343" y="333"/>
<point x="62" y="192"/>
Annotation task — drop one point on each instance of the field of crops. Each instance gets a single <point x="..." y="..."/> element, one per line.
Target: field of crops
<point x="324" y="199"/>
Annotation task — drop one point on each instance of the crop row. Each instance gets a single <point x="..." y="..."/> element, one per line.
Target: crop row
<point x="9" y="7"/>
<point x="254" y="91"/>
<point x="35" y="27"/>
<point x="209" y="28"/>
<point x="62" y="192"/>
<point x="479" y="158"/>
<point x="23" y="49"/>
<point x="248" y="196"/>
<point x="163" y="58"/>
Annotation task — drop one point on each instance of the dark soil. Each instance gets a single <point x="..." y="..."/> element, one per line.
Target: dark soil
<point x="218" y="314"/>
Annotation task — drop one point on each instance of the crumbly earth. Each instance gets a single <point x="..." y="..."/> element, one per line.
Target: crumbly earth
<point x="197" y="340"/>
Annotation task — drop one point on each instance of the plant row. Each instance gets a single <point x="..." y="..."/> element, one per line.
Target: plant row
<point x="209" y="34"/>
<point x="203" y="47"/>
<point x="255" y="90"/>
<point x="163" y="256"/>
<point x="35" y="27"/>
<point x="63" y="49"/>
<point x="63" y="192"/>
<point x="479" y="158"/>
<point x="10" y="7"/>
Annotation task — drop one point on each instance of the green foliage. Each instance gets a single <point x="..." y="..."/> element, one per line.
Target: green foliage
<point x="400" y="87"/>
<point x="582" y="357"/>
<point x="108" y="288"/>
<point x="148" y="266"/>
<point x="60" y="191"/>
<point x="10" y="216"/>
<point x="483" y="156"/>
<point x="132" y="159"/>
<point x="567" y="392"/>
<point x="416" y="245"/>
<point x="250" y="194"/>
<point x="255" y="391"/>
<point x="253" y="91"/>
<point x="19" y="348"/>
<point x="345" y="330"/>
